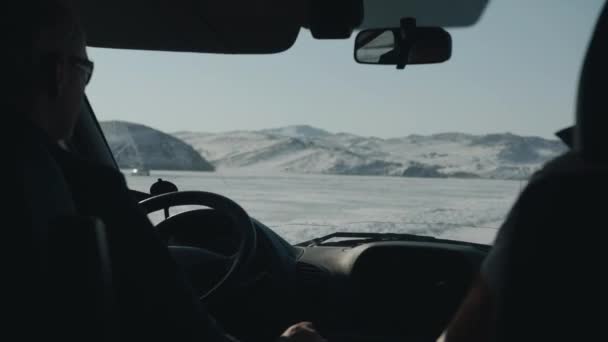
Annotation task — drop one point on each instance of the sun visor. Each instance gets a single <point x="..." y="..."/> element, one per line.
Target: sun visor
<point x="215" y="26"/>
<point x="442" y="13"/>
<point x="335" y="19"/>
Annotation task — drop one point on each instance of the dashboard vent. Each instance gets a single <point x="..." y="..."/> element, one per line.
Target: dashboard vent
<point x="310" y="275"/>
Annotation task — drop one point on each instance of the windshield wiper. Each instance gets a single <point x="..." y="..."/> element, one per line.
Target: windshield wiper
<point x="365" y="238"/>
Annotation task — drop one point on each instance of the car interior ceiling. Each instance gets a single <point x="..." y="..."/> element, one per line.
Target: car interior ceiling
<point x="252" y="27"/>
<point x="553" y="282"/>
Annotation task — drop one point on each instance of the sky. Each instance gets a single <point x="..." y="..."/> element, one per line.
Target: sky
<point x="515" y="71"/>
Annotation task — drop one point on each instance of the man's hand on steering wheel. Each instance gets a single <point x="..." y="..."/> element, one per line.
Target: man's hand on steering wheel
<point x="301" y="332"/>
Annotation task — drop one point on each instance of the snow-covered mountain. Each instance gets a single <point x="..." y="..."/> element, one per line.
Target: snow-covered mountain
<point x="139" y="146"/>
<point x="305" y="149"/>
<point x="301" y="131"/>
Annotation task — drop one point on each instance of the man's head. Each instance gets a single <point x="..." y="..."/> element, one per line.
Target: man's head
<point x="48" y="65"/>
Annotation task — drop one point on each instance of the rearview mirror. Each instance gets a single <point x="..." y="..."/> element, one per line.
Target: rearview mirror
<point x="420" y="45"/>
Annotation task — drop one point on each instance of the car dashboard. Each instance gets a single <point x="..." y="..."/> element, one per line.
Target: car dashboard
<point x="383" y="291"/>
<point x="355" y="290"/>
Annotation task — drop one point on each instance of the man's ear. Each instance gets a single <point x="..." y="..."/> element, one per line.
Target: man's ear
<point x="55" y="78"/>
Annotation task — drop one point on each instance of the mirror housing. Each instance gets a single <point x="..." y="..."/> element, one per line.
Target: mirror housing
<point x="403" y="46"/>
<point x="335" y="19"/>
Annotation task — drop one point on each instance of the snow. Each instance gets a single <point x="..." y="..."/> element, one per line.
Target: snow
<point x="294" y="179"/>
<point x="301" y="207"/>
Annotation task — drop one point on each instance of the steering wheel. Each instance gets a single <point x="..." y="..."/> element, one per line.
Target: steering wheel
<point x="238" y="217"/>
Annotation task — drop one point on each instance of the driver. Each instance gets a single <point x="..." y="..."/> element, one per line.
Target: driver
<point x="48" y="69"/>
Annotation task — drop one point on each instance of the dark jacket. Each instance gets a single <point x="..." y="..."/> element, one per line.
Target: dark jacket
<point x="154" y="300"/>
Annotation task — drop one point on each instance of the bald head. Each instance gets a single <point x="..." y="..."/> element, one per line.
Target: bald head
<point x="58" y="31"/>
<point x="37" y="28"/>
<point x="45" y="39"/>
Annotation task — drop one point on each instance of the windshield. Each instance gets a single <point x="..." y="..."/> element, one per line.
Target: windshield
<point x="309" y="142"/>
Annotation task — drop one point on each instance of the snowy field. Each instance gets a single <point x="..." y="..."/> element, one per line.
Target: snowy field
<point x="302" y="207"/>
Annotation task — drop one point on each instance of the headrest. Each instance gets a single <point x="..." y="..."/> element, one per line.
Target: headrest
<point x="590" y="138"/>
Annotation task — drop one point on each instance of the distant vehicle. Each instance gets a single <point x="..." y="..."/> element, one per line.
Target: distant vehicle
<point x="140" y="172"/>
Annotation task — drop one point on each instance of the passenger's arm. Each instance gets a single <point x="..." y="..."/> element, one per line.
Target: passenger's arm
<point x="475" y="319"/>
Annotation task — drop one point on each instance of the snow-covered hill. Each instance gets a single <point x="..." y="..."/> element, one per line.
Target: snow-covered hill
<point x="305" y="149"/>
<point x="139" y="146"/>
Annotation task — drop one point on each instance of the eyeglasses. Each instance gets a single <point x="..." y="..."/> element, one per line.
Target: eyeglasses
<point x="85" y="65"/>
